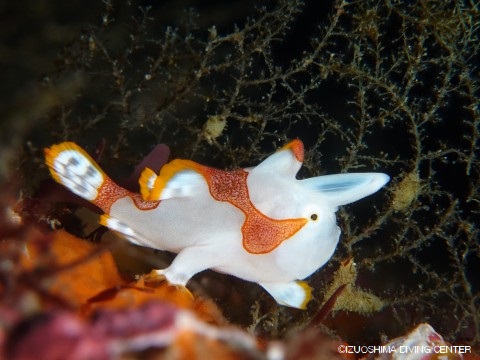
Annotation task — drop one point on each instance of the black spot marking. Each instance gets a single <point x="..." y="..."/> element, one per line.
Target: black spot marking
<point x="72" y="161"/>
<point x="90" y="171"/>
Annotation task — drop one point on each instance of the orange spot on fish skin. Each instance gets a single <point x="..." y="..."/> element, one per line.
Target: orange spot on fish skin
<point x="261" y="234"/>
<point x="229" y="186"/>
<point x="296" y="147"/>
<point x="110" y="192"/>
<point x="143" y="204"/>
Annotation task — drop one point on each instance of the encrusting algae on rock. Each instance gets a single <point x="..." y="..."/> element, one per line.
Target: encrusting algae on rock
<point x="86" y="277"/>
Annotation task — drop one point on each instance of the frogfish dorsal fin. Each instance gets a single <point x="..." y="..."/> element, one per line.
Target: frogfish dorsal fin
<point x="178" y="178"/>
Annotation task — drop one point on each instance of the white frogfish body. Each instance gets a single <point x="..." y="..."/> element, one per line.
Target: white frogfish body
<point x="260" y="224"/>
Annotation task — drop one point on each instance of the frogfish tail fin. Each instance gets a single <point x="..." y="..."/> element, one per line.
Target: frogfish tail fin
<point x="72" y="167"/>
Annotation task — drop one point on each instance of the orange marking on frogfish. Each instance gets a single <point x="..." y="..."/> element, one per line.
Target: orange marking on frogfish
<point x="109" y="192"/>
<point x="261" y="234"/>
<point x="296" y="147"/>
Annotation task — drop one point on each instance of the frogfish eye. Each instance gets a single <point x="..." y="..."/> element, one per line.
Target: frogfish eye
<point x="314" y="217"/>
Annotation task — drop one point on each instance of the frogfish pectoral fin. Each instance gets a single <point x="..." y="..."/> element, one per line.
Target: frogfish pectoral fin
<point x="295" y="294"/>
<point x="120" y="228"/>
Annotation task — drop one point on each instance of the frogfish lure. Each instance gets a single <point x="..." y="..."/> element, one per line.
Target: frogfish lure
<point x="259" y="224"/>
